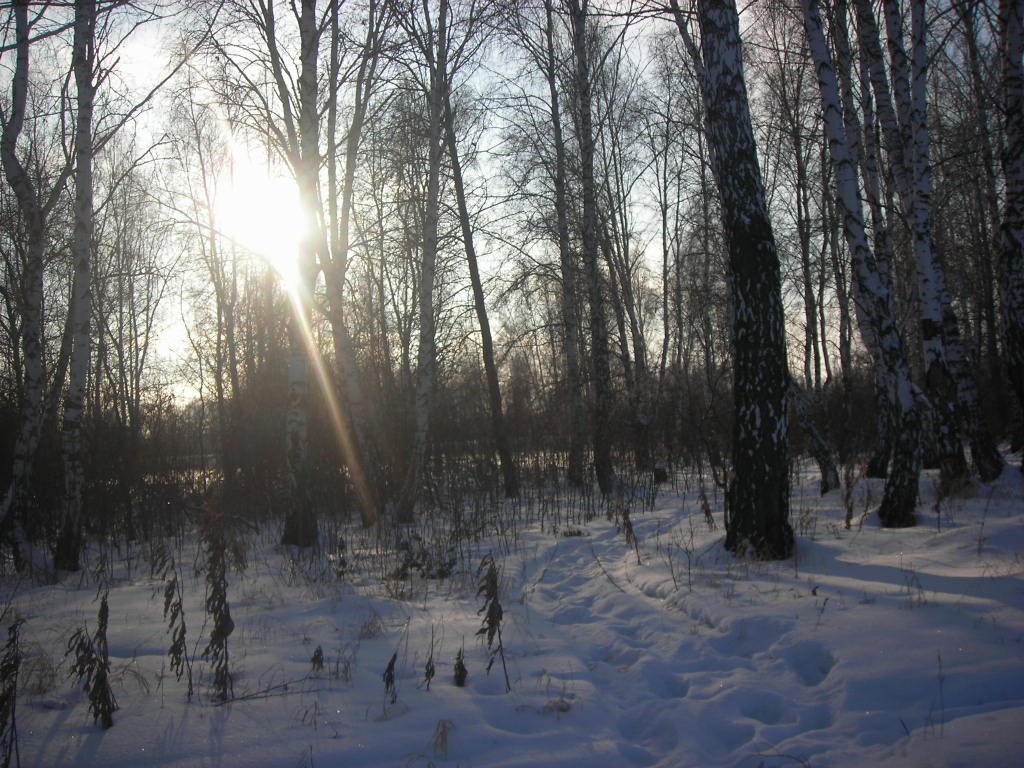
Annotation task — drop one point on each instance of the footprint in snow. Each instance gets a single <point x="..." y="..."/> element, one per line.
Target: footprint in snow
<point x="636" y="755"/>
<point x="810" y="661"/>
<point x="573" y="614"/>
<point x="663" y="682"/>
<point x="764" y="706"/>
<point x="747" y="637"/>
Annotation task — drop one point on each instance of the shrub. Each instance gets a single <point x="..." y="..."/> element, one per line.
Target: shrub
<point x="91" y="665"/>
<point x="461" y="673"/>
<point x="487" y="575"/>
<point x="10" y="665"/>
<point x="216" y="651"/>
<point x="174" y="615"/>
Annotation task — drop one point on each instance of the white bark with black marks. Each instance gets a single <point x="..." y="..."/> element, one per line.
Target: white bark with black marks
<point x="83" y="58"/>
<point x="432" y="42"/>
<point x="758" y="522"/>
<point x="35" y="207"/>
<point x="601" y="384"/>
<point x="906" y="137"/>
<point x="1011" y="263"/>
<point x="874" y="314"/>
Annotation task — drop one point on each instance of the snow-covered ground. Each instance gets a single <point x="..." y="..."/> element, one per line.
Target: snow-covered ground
<point x="872" y="648"/>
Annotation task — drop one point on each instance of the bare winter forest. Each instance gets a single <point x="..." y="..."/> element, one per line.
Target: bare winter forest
<point x="373" y="315"/>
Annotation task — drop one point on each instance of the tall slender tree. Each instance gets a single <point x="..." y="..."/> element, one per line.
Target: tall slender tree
<point x="905" y="129"/>
<point x="498" y="425"/>
<point x="365" y="75"/>
<point x="35" y="203"/>
<point x="1011" y="263"/>
<point x="431" y="37"/>
<point x="582" y="47"/>
<point x="543" y="54"/>
<point x="874" y="314"/>
<point x="83" y="60"/>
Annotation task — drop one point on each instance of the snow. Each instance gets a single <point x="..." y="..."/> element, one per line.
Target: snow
<point x="873" y="647"/>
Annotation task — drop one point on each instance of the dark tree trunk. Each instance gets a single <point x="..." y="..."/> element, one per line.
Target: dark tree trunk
<point x="569" y="304"/>
<point x="300" y="527"/>
<point x="508" y="467"/>
<point x="758" y="523"/>
<point x="819" y="447"/>
<point x="1011" y="263"/>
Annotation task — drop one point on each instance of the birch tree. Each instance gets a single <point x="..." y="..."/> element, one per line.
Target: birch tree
<point x="303" y="146"/>
<point x="601" y="384"/>
<point x="1011" y="264"/>
<point x="873" y="294"/>
<point x="35" y="204"/>
<point x="83" y="61"/>
<point x="758" y="498"/>
<point x="986" y="457"/>
<point x="431" y="40"/>
<point x="865" y="146"/>
<point x="94" y="23"/>
<point x="364" y="73"/>
<point x="948" y="379"/>
<point x="538" y="35"/>
<point x="273" y="92"/>
<point x="498" y="425"/>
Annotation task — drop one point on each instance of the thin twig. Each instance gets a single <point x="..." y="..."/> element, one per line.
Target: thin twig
<point x="605" y="572"/>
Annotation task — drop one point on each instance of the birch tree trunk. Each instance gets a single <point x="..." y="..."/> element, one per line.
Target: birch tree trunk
<point x="989" y="185"/>
<point x="35" y="209"/>
<point x="906" y="139"/>
<point x="279" y="99"/>
<point x="354" y="424"/>
<point x="82" y="60"/>
<point x="578" y="13"/>
<point x="984" y="453"/>
<point x="874" y="314"/>
<point x="434" y="47"/>
<point x="1011" y="262"/>
<point x="912" y="109"/>
<point x="866" y="152"/>
<point x="758" y="496"/>
<point x="300" y="528"/>
<point x="568" y="296"/>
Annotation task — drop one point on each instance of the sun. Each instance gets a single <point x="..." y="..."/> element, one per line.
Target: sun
<point x="258" y="209"/>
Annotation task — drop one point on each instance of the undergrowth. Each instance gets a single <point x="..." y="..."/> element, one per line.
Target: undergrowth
<point x="90" y="665"/>
<point x="10" y="666"/>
